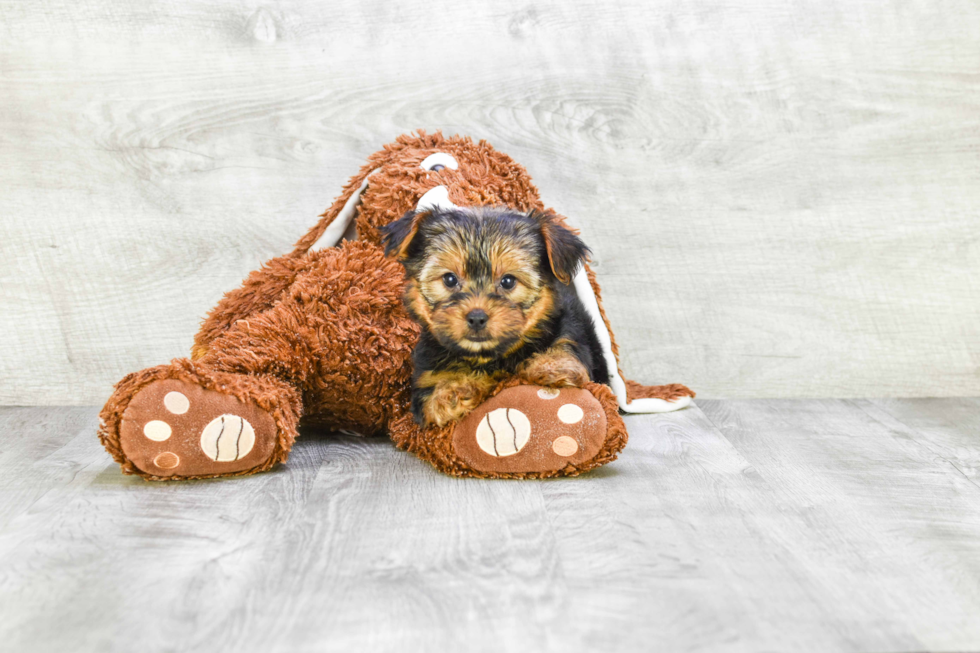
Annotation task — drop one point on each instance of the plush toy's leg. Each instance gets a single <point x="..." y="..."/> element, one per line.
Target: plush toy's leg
<point x="523" y="432"/>
<point x="184" y="420"/>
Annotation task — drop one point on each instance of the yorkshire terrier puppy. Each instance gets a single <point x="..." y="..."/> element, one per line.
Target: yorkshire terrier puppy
<point x="492" y="291"/>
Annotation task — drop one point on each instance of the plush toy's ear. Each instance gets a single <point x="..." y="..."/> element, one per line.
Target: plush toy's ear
<point x="400" y="236"/>
<point x="335" y="221"/>
<point x="566" y="251"/>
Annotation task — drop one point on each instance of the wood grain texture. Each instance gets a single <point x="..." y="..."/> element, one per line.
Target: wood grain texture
<point x="733" y="526"/>
<point x="892" y="527"/>
<point x="782" y="197"/>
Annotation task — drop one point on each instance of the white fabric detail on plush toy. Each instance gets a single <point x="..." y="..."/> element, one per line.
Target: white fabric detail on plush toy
<point x="337" y="229"/>
<point x="437" y="197"/>
<point x="439" y="159"/>
<point x="645" y="405"/>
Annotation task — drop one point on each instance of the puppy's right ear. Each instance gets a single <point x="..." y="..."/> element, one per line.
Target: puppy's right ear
<point x="400" y="236"/>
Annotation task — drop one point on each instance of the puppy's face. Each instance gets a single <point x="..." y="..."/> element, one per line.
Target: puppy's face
<point x="481" y="280"/>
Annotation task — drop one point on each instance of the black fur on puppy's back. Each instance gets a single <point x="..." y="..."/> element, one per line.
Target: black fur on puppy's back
<point x="576" y="325"/>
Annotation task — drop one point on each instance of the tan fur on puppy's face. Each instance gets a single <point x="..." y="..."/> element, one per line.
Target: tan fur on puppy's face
<point x="481" y="255"/>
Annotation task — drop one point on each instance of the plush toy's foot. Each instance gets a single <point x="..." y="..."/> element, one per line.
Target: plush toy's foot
<point x="535" y="431"/>
<point x="174" y="427"/>
<point x="179" y="424"/>
<point x="531" y="429"/>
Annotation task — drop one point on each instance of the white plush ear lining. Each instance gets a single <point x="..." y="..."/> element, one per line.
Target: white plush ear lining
<point x="646" y="405"/>
<point x="337" y="229"/>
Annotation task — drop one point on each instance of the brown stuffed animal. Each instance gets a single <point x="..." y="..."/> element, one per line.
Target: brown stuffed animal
<point x="321" y="334"/>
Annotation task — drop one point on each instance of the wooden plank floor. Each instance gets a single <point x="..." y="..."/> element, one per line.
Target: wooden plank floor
<point x="752" y="525"/>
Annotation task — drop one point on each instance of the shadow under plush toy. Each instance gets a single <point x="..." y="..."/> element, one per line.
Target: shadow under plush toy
<point x="322" y="334"/>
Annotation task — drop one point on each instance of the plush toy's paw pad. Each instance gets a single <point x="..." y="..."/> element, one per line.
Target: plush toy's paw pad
<point x="528" y="429"/>
<point x="176" y="428"/>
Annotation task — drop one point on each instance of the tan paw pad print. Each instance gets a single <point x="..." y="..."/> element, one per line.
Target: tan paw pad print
<point x="564" y="446"/>
<point x="167" y="460"/>
<point x="176" y="402"/>
<point x="570" y="414"/>
<point x="227" y="438"/>
<point x="503" y="432"/>
<point x="157" y="430"/>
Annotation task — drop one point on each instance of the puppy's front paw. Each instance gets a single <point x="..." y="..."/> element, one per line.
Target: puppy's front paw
<point x="452" y="400"/>
<point x="555" y="369"/>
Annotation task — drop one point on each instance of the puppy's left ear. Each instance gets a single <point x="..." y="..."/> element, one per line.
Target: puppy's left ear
<point x="399" y="236"/>
<point x="566" y="251"/>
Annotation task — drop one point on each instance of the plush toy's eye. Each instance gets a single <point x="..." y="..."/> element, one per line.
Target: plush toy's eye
<point x="450" y="280"/>
<point x="439" y="161"/>
<point x="508" y="281"/>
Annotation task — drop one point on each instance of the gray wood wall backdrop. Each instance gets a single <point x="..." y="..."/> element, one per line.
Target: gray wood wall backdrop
<point x="782" y="195"/>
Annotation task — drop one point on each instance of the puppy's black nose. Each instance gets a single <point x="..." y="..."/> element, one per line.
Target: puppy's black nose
<point x="477" y="318"/>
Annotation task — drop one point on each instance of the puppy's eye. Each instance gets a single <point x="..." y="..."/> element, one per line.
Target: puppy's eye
<point x="450" y="280"/>
<point x="508" y="281"/>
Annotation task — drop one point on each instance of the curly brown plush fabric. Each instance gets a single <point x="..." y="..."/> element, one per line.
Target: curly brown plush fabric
<point x="321" y="334"/>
